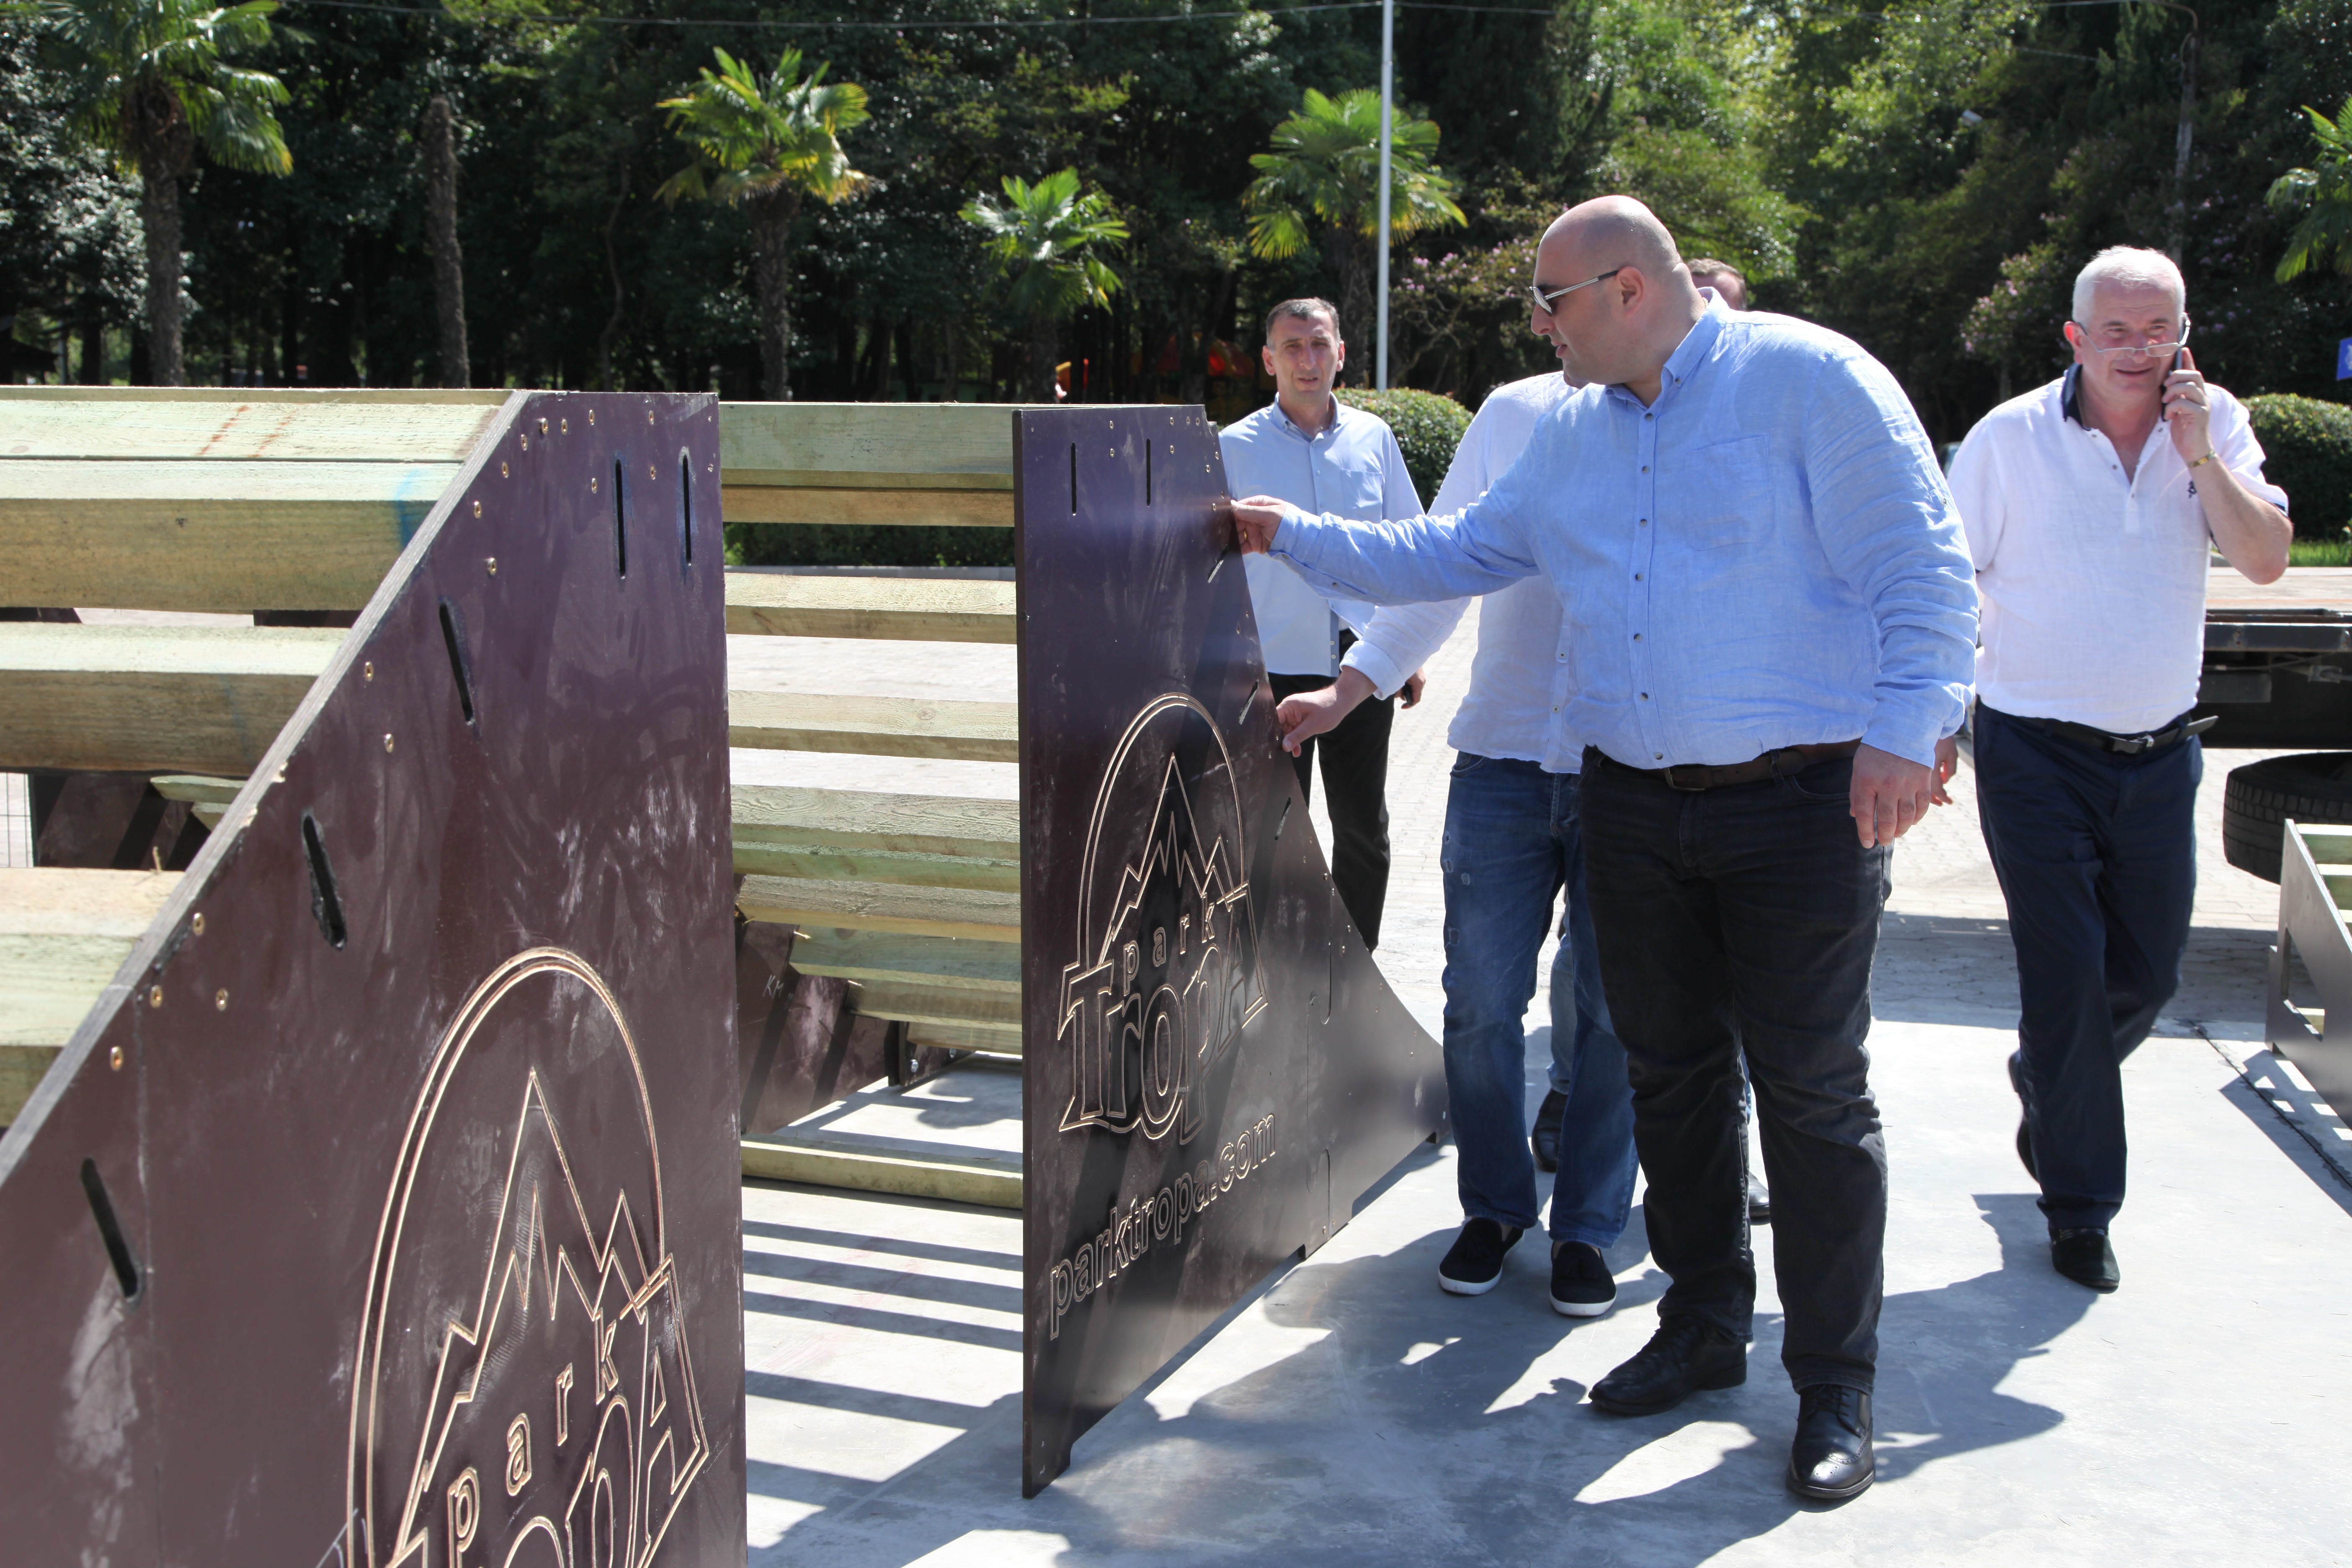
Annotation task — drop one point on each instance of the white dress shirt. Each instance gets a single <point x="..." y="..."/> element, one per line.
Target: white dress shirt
<point x="1354" y="468"/>
<point x="1518" y="682"/>
<point x="2094" y="584"/>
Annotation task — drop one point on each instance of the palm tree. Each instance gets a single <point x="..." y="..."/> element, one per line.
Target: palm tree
<point x="1046" y="241"/>
<point x="152" y="85"/>
<point x="1325" y="172"/>
<point x="2323" y="195"/>
<point x="767" y="144"/>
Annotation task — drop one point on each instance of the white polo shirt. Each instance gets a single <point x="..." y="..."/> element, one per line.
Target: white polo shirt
<point x="2093" y="584"/>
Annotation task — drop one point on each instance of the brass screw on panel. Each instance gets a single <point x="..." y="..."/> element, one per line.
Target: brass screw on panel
<point x="592" y="486"/>
<point x="196" y="922"/>
<point x="649" y="415"/>
<point x="502" y="470"/>
<point x="592" y="417"/>
<point x="526" y="441"/>
<point x="367" y="672"/>
<point x="114" y="1058"/>
<point x="563" y="426"/>
<point x="387" y="742"/>
<point x="542" y="426"/>
<point x="649" y="473"/>
<point x="492" y="563"/>
<point x="154" y="996"/>
<point x="477" y="509"/>
<point x="220" y="1000"/>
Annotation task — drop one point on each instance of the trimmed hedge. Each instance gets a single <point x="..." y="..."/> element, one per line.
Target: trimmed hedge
<point x="1428" y="426"/>
<point x="2308" y="452"/>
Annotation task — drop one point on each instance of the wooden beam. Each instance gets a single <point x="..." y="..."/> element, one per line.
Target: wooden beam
<point x="874" y="726"/>
<point x="952" y="1004"/>
<point x="990" y="966"/>
<point x="856" y="444"/>
<point x="886" y="1165"/>
<point x="856" y="836"/>
<point x="891" y="507"/>
<point x="208" y="798"/>
<point x="882" y="907"/>
<point x="965" y="1037"/>
<point x="329" y="430"/>
<point x="63" y="936"/>
<point x="902" y="610"/>
<point x="206" y="699"/>
<point x="229" y="535"/>
<point x="494" y="397"/>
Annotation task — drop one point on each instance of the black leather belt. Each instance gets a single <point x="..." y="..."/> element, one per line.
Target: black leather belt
<point x="1696" y="776"/>
<point x="2107" y="741"/>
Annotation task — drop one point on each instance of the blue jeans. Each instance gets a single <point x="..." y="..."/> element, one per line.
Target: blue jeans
<point x="2098" y="858"/>
<point x="1511" y="846"/>
<point x="1743" y="920"/>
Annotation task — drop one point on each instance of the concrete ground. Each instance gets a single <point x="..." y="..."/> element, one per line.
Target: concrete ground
<point x="1349" y="1411"/>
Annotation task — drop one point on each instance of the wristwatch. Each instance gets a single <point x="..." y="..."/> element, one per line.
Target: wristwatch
<point x="2203" y="460"/>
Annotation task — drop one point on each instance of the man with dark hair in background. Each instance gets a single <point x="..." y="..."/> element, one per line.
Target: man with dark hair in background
<point x="1723" y="277"/>
<point x="1316" y="452"/>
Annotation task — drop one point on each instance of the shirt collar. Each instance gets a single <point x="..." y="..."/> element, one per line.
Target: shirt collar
<point x="2069" y="395"/>
<point x="1692" y="353"/>
<point x="1340" y="412"/>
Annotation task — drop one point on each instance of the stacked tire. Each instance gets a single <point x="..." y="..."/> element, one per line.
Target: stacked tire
<point x="2310" y="786"/>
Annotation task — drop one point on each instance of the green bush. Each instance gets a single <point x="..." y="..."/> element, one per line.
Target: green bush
<point x="863" y="544"/>
<point x="2308" y="452"/>
<point x="1427" y="425"/>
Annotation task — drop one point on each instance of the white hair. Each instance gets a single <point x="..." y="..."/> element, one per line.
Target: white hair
<point x="2128" y="265"/>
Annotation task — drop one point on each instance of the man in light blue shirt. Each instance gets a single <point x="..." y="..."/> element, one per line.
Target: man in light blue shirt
<point x="1314" y="451"/>
<point x="1769" y="623"/>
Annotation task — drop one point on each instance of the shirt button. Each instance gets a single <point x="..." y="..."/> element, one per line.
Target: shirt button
<point x="1657" y="756"/>
<point x="1637" y="637"/>
<point x="1645" y="467"/>
<point x="1637" y="577"/>
<point x="1563" y="659"/>
<point x="1645" y="696"/>
<point x="1645" y="522"/>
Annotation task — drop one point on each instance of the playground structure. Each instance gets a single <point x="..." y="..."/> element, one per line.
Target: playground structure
<point x="1213" y="1069"/>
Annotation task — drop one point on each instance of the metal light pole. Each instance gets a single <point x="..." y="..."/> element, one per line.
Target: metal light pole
<point x="1388" y="109"/>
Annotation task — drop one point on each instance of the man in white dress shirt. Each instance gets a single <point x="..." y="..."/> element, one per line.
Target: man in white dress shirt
<point x="1313" y="450"/>
<point x="2089" y="505"/>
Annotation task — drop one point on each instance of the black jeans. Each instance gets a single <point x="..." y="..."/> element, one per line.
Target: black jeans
<point x="2098" y="858"/>
<point x="1355" y="754"/>
<point x="1745" y="919"/>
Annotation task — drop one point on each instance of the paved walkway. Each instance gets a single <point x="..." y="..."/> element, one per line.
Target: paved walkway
<point x="1351" y="1412"/>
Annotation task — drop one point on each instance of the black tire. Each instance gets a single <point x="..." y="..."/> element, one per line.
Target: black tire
<point x="2310" y="786"/>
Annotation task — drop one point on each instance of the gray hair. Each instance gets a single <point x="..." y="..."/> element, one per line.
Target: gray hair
<point x="2127" y="265"/>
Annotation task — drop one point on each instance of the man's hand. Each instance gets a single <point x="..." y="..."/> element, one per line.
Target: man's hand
<point x="2185" y="413"/>
<point x="1255" y="518"/>
<point x="1889" y="795"/>
<point x="1947" y="762"/>
<point x="1412" y="690"/>
<point x="1309" y="713"/>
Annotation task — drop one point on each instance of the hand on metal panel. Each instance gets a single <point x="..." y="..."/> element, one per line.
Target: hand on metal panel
<point x="1255" y="518"/>
<point x="1306" y="715"/>
<point x="1889" y="796"/>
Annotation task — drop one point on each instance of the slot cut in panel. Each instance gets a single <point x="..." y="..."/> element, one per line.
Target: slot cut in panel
<point x="325" y="904"/>
<point x="110" y="1227"/>
<point x="461" y="663"/>
<point x="620" y="517"/>
<point x="685" y="502"/>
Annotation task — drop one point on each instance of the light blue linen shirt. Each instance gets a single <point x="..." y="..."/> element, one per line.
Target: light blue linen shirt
<point x="1352" y="468"/>
<point x="1765" y="556"/>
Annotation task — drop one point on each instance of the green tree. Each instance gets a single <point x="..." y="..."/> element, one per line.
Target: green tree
<point x="1047" y="241"/>
<point x="767" y="146"/>
<point x="1325" y="172"/>
<point x="152" y="84"/>
<point x="2323" y="195"/>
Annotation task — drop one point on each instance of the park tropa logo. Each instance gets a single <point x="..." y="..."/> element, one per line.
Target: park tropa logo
<point x="1166" y="970"/>
<point x="525" y="1393"/>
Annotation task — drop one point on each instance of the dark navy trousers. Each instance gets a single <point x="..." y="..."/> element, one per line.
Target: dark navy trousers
<point x="2096" y="854"/>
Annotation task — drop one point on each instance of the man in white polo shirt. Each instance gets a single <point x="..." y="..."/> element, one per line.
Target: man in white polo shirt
<point x="1314" y="452"/>
<point x="2089" y="505"/>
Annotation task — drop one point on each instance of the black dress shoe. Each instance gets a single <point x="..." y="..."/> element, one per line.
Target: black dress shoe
<point x="1759" y="1201"/>
<point x="1830" y="1459"/>
<point x="2082" y="1254"/>
<point x="1683" y="1357"/>
<point x="2024" y="1120"/>
<point x="1544" y="1138"/>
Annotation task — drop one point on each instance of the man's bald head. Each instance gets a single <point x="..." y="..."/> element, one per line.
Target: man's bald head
<point x="1620" y="300"/>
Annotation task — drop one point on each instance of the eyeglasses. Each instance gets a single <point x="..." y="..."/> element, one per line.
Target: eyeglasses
<point x="2146" y="351"/>
<point x="1543" y="297"/>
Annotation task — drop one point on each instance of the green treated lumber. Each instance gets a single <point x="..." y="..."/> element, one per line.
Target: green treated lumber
<point x="907" y="823"/>
<point x="203" y="699"/>
<point x="857" y="444"/>
<point x="966" y="1037"/>
<point x="229" y="535"/>
<point x="328" y="431"/>
<point x="63" y="936"/>
<point x="874" y="726"/>
<point x="207" y="797"/>
<point x="984" y="916"/>
<point x="902" y="610"/>
<point x="993" y="966"/>
<point x="886" y="1165"/>
<point x="885" y="507"/>
<point x="916" y="1003"/>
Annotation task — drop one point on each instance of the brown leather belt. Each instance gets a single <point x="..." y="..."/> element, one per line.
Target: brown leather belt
<point x="1695" y="776"/>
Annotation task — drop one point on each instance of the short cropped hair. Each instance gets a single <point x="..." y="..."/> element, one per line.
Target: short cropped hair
<point x="1306" y="309"/>
<point x="2127" y="264"/>
<point x="1708" y="267"/>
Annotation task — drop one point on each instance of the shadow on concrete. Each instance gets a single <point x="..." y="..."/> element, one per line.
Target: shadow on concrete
<point x="1962" y="969"/>
<point x="1402" y="1427"/>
